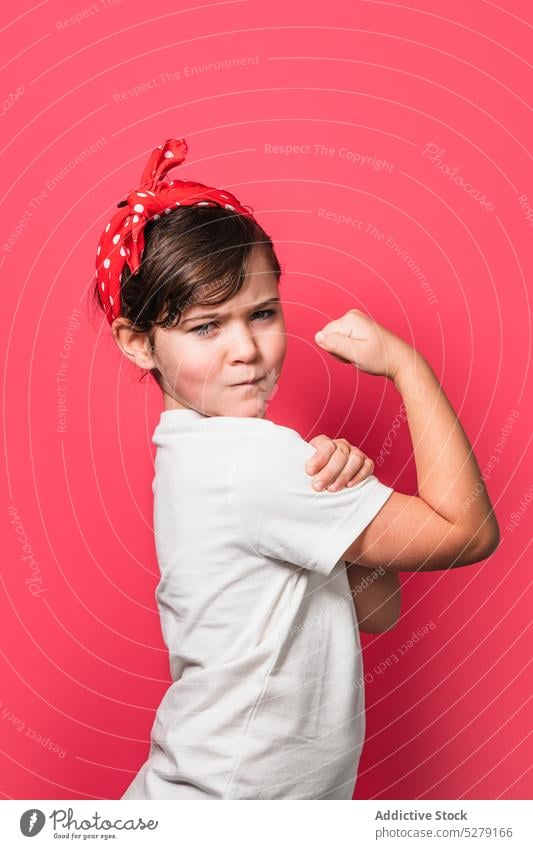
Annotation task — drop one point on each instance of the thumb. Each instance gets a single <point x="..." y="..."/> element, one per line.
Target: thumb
<point x="337" y="344"/>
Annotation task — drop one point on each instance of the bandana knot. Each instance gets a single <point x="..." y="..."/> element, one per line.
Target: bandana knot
<point x="122" y="241"/>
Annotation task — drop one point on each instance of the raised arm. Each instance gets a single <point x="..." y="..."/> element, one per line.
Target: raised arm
<point x="451" y="522"/>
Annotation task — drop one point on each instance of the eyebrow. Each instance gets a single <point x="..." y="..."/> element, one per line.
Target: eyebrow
<point x="216" y="314"/>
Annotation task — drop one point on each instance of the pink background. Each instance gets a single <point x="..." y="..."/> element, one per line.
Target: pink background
<point x="82" y="661"/>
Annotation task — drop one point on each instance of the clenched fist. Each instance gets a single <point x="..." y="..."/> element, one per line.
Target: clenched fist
<point x="357" y="339"/>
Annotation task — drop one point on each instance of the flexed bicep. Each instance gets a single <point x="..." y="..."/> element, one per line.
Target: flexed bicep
<point x="408" y="535"/>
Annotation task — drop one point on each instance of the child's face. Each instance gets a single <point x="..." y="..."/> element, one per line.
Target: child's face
<point x="203" y="358"/>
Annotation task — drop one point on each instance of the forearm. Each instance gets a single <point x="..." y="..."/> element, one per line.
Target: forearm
<point x="376" y="596"/>
<point x="448" y="475"/>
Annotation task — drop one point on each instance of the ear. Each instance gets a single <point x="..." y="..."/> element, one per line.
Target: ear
<point x="134" y="345"/>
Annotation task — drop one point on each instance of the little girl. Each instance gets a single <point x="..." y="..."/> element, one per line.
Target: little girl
<point x="259" y="570"/>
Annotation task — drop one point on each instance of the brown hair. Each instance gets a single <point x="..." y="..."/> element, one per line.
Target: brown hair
<point x="194" y="255"/>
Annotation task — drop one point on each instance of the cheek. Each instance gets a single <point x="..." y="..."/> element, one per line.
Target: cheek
<point x="192" y="365"/>
<point x="279" y="339"/>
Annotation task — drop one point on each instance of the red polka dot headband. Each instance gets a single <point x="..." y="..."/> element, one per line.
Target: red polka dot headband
<point x="123" y="238"/>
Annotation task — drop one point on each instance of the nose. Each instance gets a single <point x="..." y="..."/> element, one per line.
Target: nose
<point x="242" y="347"/>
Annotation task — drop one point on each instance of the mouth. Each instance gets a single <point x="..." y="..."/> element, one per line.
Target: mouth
<point x="249" y="382"/>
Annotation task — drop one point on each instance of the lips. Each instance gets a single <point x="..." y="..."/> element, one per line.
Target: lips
<point x="248" y="382"/>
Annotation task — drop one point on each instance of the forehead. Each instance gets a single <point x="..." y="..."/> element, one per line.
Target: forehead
<point x="260" y="263"/>
<point x="260" y="283"/>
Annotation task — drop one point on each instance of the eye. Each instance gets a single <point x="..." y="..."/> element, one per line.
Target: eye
<point x="201" y="329"/>
<point x="265" y="313"/>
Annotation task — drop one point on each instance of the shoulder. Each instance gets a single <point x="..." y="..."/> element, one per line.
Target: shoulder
<point x="272" y="453"/>
<point x="274" y="437"/>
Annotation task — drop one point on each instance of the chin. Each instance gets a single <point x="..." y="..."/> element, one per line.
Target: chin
<point x="251" y="411"/>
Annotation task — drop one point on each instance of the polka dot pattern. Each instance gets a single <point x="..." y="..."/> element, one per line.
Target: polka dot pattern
<point x="154" y="198"/>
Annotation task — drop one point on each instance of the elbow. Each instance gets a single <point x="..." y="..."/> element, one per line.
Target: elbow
<point x="493" y="540"/>
<point x="486" y="543"/>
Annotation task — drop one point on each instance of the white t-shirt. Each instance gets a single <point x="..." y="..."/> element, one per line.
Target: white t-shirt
<point x="267" y="698"/>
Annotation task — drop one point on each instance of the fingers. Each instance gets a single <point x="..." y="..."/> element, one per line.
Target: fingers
<point x="365" y="471"/>
<point x="325" y="447"/>
<point x="340" y="346"/>
<point x="357" y="468"/>
<point x="335" y="465"/>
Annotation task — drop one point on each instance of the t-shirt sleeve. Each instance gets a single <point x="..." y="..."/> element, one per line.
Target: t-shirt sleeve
<point x="283" y="517"/>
